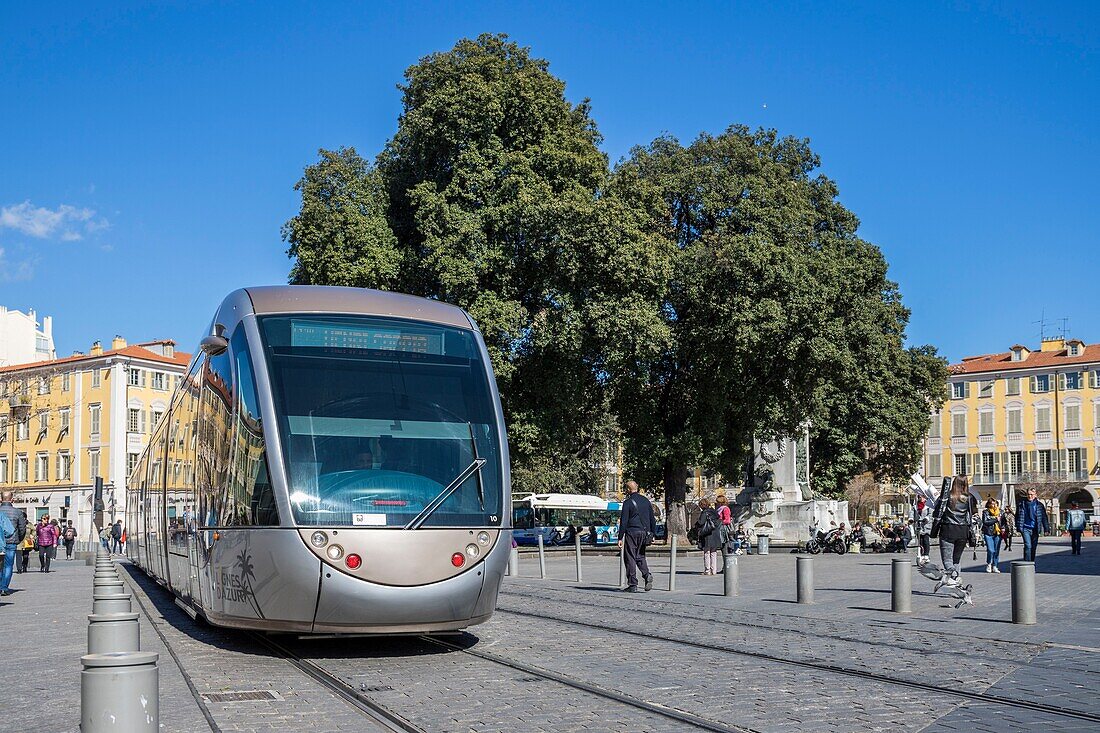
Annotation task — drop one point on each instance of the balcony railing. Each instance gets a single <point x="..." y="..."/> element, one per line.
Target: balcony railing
<point x="985" y="440"/>
<point x="934" y="442"/>
<point x="1015" y="437"/>
<point x="1043" y="436"/>
<point x="958" y="440"/>
<point x="1073" y="434"/>
<point x="1036" y="477"/>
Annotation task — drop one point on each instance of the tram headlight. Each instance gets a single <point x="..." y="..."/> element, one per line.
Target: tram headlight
<point x="335" y="552"/>
<point x="483" y="538"/>
<point x="473" y="550"/>
<point x="319" y="539"/>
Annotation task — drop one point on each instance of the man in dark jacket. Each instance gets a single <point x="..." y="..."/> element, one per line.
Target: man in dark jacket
<point x="116" y="537"/>
<point x="636" y="526"/>
<point x="1031" y="518"/>
<point x="10" y="540"/>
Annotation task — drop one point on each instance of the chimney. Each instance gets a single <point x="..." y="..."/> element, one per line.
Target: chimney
<point x="1053" y="343"/>
<point x="118" y="343"/>
<point x="97" y="349"/>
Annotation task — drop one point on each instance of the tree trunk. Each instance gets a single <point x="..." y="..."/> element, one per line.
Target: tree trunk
<point x="675" y="481"/>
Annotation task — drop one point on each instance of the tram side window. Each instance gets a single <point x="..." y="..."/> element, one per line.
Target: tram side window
<point x="252" y="498"/>
<point x="215" y="438"/>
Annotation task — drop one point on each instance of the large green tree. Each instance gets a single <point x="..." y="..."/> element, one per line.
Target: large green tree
<point x="494" y="189"/>
<point x="695" y="297"/>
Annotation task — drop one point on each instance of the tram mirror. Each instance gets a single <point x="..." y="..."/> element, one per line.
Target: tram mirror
<point x="214" y="344"/>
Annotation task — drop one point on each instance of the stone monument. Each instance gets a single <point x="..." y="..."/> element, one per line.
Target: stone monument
<point x="780" y="502"/>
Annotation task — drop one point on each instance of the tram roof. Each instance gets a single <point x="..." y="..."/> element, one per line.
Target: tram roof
<point x="268" y="299"/>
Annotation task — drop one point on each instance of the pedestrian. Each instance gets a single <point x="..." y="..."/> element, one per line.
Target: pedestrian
<point x="1010" y="528"/>
<point x="46" y="541"/>
<point x="105" y="537"/>
<point x="922" y="524"/>
<point x="1075" y="525"/>
<point x="725" y="516"/>
<point x="13" y="524"/>
<point x="56" y="538"/>
<point x="993" y="522"/>
<point x="25" y="547"/>
<point x="116" y="537"/>
<point x="951" y="522"/>
<point x="637" y="527"/>
<point x="1031" y="518"/>
<point x="905" y="536"/>
<point x="708" y="536"/>
<point x="68" y="535"/>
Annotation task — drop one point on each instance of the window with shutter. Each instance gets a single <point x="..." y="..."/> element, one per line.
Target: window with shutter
<point x="934" y="429"/>
<point x="1042" y="419"/>
<point x="985" y="423"/>
<point x="985" y="389"/>
<point x="1012" y="386"/>
<point x="958" y="424"/>
<point x="1015" y="421"/>
<point x="1073" y="417"/>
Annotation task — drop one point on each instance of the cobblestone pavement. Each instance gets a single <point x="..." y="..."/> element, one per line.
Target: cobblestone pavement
<point x="555" y="657"/>
<point x="43" y="634"/>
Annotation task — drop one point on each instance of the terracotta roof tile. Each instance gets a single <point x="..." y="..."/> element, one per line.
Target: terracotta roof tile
<point x="1035" y="360"/>
<point x="134" y="352"/>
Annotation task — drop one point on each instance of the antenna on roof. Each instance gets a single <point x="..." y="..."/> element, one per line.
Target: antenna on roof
<point x="1052" y="328"/>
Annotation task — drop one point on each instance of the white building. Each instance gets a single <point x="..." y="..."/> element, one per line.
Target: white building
<point x="22" y="341"/>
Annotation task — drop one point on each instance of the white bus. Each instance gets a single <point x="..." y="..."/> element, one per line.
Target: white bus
<point x="559" y="517"/>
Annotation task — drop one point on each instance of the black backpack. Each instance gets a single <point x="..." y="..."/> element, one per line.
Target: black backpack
<point x="709" y="523"/>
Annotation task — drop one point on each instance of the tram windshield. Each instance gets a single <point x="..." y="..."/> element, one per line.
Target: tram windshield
<point x="378" y="417"/>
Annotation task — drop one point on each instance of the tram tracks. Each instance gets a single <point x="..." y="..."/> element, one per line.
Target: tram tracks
<point x="715" y="645"/>
<point x="370" y="708"/>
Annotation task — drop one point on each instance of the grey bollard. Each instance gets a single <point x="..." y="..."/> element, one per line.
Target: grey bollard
<point x="672" y="564"/>
<point x="542" y="559"/>
<point x="108" y="586"/>
<point x="731" y="580"/>
<point x="577" y="544"/>
<point x="901" y="585"/>
<point x="804" y="575"/>
<point x="513" y="562"/>
<point x="113" y="632"/>
<point x="120" y="691"/>
<point x="1023" y="592"/>
<point x="622" y="564"/>
<point x="103" y="603"/>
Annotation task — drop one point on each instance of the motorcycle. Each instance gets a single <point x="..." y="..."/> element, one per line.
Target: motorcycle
<point x="831" y="541"/>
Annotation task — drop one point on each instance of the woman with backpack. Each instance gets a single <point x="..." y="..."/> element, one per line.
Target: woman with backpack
<point x="951" y="521"/>
<point x="708" y="534"/>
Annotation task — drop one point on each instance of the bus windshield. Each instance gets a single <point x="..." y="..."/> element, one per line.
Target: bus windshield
<point x="379" y="416"/>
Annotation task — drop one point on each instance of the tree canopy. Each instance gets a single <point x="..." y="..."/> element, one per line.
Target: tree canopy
<point x="685" y="301"/>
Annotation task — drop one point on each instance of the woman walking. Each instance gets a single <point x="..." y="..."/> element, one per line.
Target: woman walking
<point x="25" y="547"/>
<point x="46" y="541"/>
<point x="1010" y="527"/>
<point x="951" y="520"/>
<point x="993" y="524"/>
<point x="708" y="533"/>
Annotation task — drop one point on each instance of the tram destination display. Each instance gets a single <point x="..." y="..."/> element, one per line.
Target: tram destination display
<point x="314" y="334"/>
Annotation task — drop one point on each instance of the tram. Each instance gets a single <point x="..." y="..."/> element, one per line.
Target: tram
<point x="334" y="461"/>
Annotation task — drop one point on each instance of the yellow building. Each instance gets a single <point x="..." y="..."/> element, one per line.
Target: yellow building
<point x="1023" y="419"/>
<point x="64" y="422"/>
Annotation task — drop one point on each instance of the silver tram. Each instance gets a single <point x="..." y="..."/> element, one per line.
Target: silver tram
<point x="334" y="461"/>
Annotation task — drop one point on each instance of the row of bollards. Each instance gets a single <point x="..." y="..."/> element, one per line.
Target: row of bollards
<point x="120" y="684"/>
<point x="901" y="582"/>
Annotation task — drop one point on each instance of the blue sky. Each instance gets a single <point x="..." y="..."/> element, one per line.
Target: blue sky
<point x="149" y="151"/>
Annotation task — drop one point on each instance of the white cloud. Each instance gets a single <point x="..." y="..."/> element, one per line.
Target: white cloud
<point x="12" y="271"/>
<point x="69" y="222"/>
